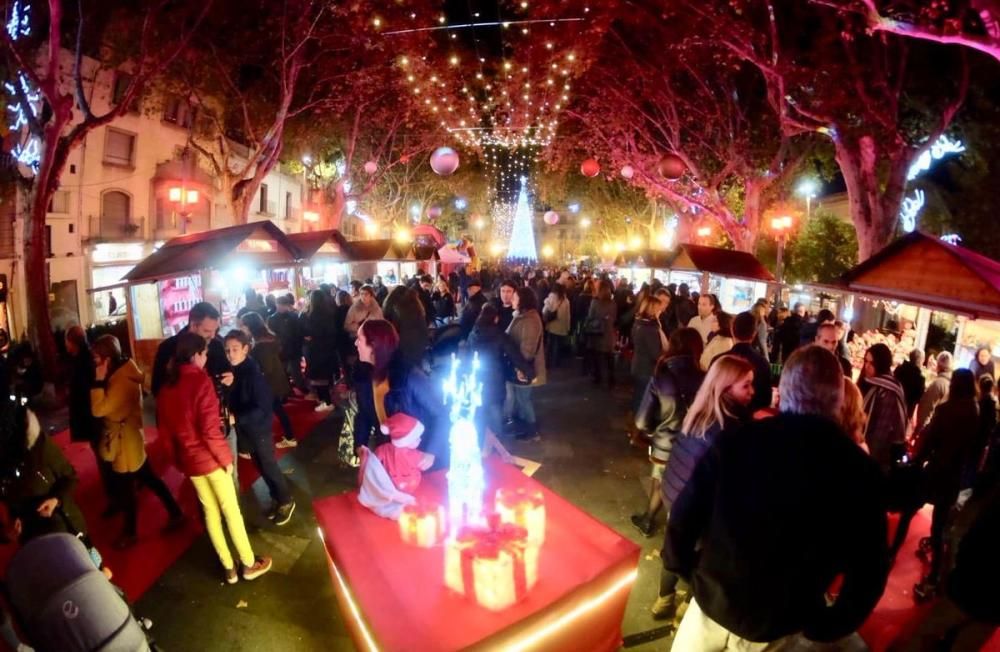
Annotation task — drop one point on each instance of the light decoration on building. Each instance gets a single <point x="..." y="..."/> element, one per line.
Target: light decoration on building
<point x="466" y="483"/>
<point x="26" y="103"/>
<point x="911" y="205"/>
<point x="522" y="235"/>
<point x="952" y="238"/>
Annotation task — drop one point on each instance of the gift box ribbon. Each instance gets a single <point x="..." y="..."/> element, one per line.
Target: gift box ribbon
<point x="488" y="543"/>
<point x="420" y="512"/>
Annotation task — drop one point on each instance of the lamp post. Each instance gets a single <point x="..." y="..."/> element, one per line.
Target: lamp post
<point x="182" y="199"/>
<point x="781" y="227"/>
<point x="807" y="188"/>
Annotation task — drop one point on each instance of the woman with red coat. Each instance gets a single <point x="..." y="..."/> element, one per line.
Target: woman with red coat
<point x="188" y="415"/>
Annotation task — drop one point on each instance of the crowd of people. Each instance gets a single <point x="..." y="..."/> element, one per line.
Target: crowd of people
<point x="776" y="467"/>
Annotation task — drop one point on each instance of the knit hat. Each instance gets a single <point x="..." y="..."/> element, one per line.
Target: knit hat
<point x="404" y="430"/>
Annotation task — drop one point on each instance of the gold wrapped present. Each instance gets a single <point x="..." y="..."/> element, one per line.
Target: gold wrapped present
<point x="524" y="507"/>
<point x="496" y="566"/>
<point x="422" y="525"/>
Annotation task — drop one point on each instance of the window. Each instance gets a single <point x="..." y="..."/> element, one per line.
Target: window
<point x="288" y="205"/>
<point x="262" y="208"/>
<point x="122" y="80"/>
<point x="59" y="203"/>
<point x="179" y="112"/>
<point x="116" y="209"/>
<point x="119" y="148"/>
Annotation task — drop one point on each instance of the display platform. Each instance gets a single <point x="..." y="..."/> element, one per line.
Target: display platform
<point x="393" y="597"/>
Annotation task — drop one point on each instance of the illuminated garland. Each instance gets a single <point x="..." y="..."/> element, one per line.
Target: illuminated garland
<point x="27" y="101"/>
<point x="465" y="473"/>
<point x="911" y="206"/>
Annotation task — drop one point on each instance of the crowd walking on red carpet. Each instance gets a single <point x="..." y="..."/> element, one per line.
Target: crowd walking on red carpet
<point x="775" y="468"/>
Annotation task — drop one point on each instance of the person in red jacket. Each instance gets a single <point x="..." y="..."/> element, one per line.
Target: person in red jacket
<point x="188" y="415"/>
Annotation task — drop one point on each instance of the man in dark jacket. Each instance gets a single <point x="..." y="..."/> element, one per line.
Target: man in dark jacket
<point x="808" y="334"/>
<point x="287" y="326"/>
<point x="910" y="377"/>
<point x="773" y="514"/>
<point x="789" y="334"/>
<point x="424" y="289"/>
<point x="203" y="320"/>
<point x="684" y="308"/>
<point x="744" y="332"/>
<point x="826" y="336"/>
<point x="473" y="305"/>
<point x="504" y="304"/>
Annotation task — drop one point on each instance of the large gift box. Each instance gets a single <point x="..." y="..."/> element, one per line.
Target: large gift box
<point x="525" y="507"/>
<point x="422" y="525"/>
<point x="496" y="565"/>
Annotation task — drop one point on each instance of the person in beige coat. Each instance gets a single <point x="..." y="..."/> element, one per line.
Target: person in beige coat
<point x="116" y="399"/>
<point x="528" y="333"/>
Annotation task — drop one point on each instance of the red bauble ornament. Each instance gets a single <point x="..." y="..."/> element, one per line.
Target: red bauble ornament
<point x="551" y="218"/>
<point x="444" y="161"/>
<point x="371" y="167"/>
<point x="672" y="167"/>
<point x="628" y="172"/>
<point x="590" y="168"/>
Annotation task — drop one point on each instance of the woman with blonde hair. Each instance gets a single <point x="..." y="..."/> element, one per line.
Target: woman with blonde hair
<point x="722" y="403"/>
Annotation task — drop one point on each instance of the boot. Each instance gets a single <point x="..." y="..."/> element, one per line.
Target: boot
<point x="665" y="607"/>
<point x="683" y="600"/>
<point x="644" y="524"/>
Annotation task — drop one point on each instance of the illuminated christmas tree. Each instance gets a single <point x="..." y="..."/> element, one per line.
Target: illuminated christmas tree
<point x="522" y="235"/>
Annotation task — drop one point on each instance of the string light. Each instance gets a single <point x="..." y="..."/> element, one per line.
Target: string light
<point x="27" y="151"/>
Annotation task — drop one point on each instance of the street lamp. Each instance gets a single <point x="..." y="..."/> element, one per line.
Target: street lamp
<point x="781" y="227"/>
<point x="704" y="232"/>
<point x="807" y="188"/>
<point x="182" y="199"/>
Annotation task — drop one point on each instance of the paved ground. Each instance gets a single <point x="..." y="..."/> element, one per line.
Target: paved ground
<point x="585" y="458"/>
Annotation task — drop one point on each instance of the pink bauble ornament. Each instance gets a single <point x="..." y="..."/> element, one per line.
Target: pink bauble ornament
<point x="444" y="161"/>
<point x="551" y="218"/>
<point x="371" y="167"/>
<point x="672" y="166"/>
<point x="628" y="172"/>
<point x="590" y="168"/>
<point x="434" y="212"/>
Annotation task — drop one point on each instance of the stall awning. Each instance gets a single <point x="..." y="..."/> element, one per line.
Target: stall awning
<point x="258" y="244"/>
<point x="329" y="245"/>
<point x="651" y="258"/>
<point x="925" y="270"/>
<point x="698" y="258"/>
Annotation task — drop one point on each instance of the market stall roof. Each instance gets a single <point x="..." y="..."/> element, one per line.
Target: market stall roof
<point x="926" y="270"/>
<point x="328" y="244"/>
<point x="724" y="262"/>
<point x="260" y="244"/>
<point x="651" y="258"/>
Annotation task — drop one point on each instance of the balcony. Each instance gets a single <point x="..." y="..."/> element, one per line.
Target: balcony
<point x="114" y="229"/>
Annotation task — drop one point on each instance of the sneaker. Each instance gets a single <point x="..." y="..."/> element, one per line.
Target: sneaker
<point x="323" y="407"/>
<point x="283" y="513"/>
<point x="261" y="566"/>
<point x="231" y="576"/>
<point x="643" y="524"/>
<point x="286" y="443"/>
<point x="245" y="456"/>
<point x="665" y="607"/>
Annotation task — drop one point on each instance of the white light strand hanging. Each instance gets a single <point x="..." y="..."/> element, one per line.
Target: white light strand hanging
<point x="522" y="236"/>
<point x="25" y="102"/>
<point x="466" y="483"/>
<point x="911" y="206"/>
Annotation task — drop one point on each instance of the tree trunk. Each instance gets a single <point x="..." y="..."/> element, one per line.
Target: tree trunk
<point x="36" y="274"/>
<point x="874" y="205"/>
<point x="338" y="204"/>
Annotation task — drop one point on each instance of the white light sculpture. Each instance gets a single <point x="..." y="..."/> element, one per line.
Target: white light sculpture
<point x="911" y="206"/>
<point x="465" y="474"/>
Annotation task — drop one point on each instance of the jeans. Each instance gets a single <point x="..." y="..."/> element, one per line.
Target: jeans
<point x="261" y="446"/>
<point x="555" y="346"/>
<point x="519" y="404"/>
<point x="218" y="498"/>
<point x="286" y="424"/>
<point x="594" y="360"/>
<point x="127" y="494"/>
<point x="108" y="481"/>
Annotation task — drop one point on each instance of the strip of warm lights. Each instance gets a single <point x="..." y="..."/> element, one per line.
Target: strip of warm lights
<point x="369" y="640"/>
<point x="536" y="636"/>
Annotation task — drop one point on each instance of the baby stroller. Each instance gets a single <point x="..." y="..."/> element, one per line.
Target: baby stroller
<point x="64" y="603"/>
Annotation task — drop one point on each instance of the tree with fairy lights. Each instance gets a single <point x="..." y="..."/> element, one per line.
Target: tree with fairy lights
<point x="53" y="113"/>
<point x="522" y="234"/>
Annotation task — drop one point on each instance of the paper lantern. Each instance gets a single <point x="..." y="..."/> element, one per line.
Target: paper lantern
<point x="444" y="161"/>
<point x="434" y="212"/>
<point x="627" y="172"/>
<point x="494" y="566"/>
<point x="371" y="167"/>
<point x="590" y="168"/>
<point x="672" y="167"/>
<point x="422" y="525"/>
<point x="551" y="218"/>
<point x="525" y="509"/>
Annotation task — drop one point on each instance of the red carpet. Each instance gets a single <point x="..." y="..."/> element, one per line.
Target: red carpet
<point x="137" y="568"/>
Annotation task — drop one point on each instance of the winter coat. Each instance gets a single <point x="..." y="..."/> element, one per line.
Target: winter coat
<point x="83" y="426"/>
<point x="266" y="352"/>
<point x="358" y="314"/>
<point x="217" y="362"/>
<point x="947" y="445"/>
<point x="649" y="343"/>
<point x="684" y="310"/>
<point x="470" y="312"/>
<point x="444" y="305"/>
<point x="684" y="457"/>
<point x="557" y="316"/>
<point x="773" y="513"/>
<point x="976" y="574"/>
<point x="786" y="338"/>
<point x="760" y="341"/>
<point x="287" y="327"/>
<point x="718" y="345"/>
<point x="666" y="401"/>
<point x="118" y="403"/>
<point x="250" y="398"/>
<point x="411" y="324"/>
<point x="506" y="314"/>
<point x="909" y="376"/>
<point x="885" y="428"/>
<point x="979" y="370"/>
<point x="581" y="308"/>
<point x="498" y="356"/>
<point x="44" y="473"/>
<point x="602" y="312"/>
<point x="936" y="393"/>
<point x="187" y="414"/>
<point x="321" y="347"/>
<point x="526" y="331"/>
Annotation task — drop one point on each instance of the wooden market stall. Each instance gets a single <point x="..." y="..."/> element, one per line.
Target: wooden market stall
<point x="215" y="266"/>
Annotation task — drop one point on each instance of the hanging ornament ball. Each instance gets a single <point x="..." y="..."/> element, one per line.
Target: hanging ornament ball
<point x="371" y="167"/>
<point x="434" y="212"/>
<point x="444" y="161"/>
<point x="551" y="218"/>
<point x="627" y="172"/>
<point x="672" y="167"/>
<point x="590" y="168"/>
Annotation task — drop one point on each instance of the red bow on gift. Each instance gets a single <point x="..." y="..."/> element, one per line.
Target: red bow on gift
<point x="488" y="543"/>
